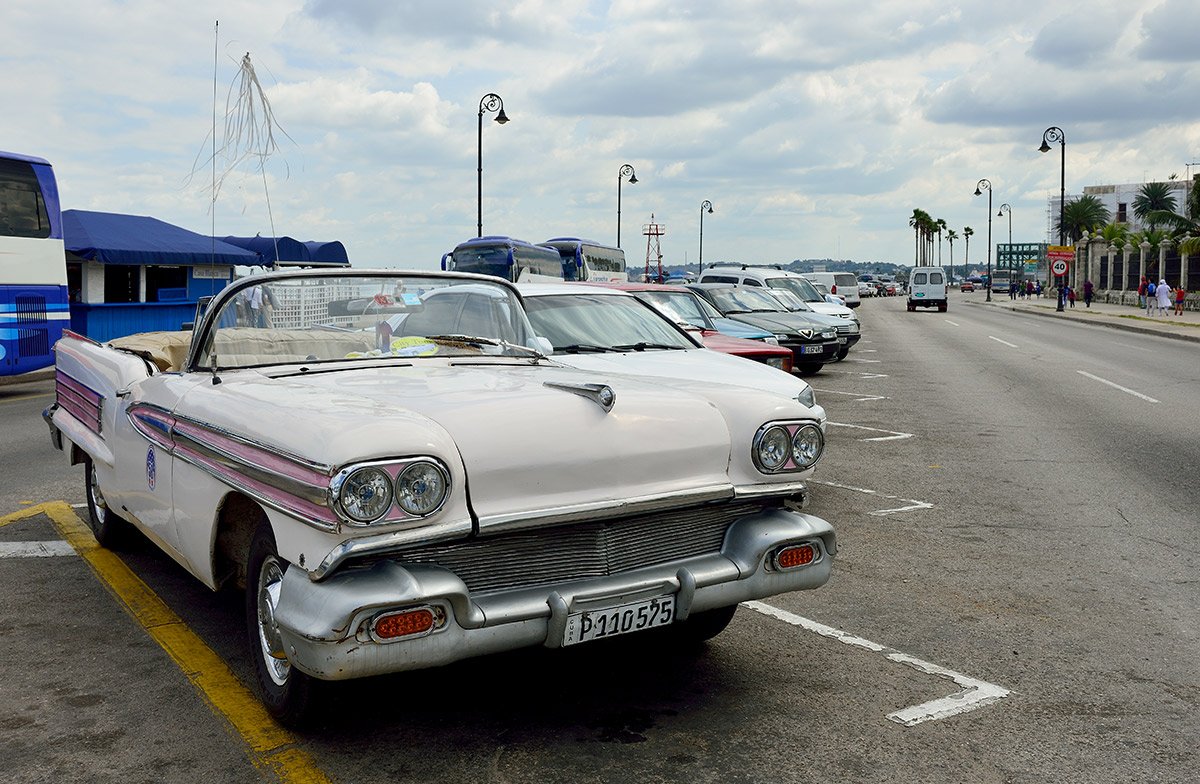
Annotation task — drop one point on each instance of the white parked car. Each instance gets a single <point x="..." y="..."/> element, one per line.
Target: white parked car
<point x="400" y="478"/>
<point x="612" y="331"/>
<point x="776" y="278"/>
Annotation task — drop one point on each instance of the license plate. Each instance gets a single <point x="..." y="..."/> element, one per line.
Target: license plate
<point x="633" y="617"/>
<point x="812" y="350"/>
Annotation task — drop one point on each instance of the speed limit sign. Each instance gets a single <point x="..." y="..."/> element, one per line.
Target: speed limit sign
<point x="1059" y="267"/>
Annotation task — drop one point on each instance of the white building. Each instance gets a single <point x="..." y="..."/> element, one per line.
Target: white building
<point x="1118" y="199"/>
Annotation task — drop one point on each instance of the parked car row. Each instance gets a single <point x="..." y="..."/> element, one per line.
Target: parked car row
<point x="405" y="469"/>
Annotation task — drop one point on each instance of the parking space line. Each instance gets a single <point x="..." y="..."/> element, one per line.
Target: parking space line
<point x="952" y="323"/>
<point x="35" y="549"/>
<point x="910" y="503"/>
<point x="1005" y="342"/>
<point x="974" y="693"/>
<point x="895" y="435"/>
<point x="272" y="749"/>
<point x="1118" y="386"/>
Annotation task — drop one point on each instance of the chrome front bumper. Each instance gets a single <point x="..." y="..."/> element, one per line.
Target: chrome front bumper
<point x="326" y="626"/>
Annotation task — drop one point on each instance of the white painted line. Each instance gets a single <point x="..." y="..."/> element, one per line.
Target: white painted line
<point x="35" y="549"/>
<point x="828" y="369"/>
<point x="860" y="398"/>
<point x="953" y="323"/>
<point x="1005" y="342"/>
<point x="911" y="504"/>
<point x="974" y="694"/>
<point x="1118" y="386"/>
<point x="895" y="435"/>
<point x="856" y="359"/>
<point x="78" y="506"/>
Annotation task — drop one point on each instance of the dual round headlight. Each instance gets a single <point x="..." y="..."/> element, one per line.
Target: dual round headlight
<point x="778" y="444"/>
<point x="368" y="493"/>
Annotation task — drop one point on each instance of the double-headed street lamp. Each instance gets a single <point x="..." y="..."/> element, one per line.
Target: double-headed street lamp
<point x="704" y="205"/>
<point x="622" y="173"/>
<point x="980" y="187"/>
<point x="488" y="103"/>
<point x="1055" y="134"/>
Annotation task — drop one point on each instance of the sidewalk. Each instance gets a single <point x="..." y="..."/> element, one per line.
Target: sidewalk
<point x="1131" y="319"/>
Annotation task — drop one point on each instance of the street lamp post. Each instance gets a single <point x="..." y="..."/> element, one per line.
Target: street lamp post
<point x="1055" y="134"/>
<point x="488" y="103"/>
<point x="625" y="171"/>
<point x="704" y="205"/>
<point x="981" y="186"/>
<point x="1000" y="214"/>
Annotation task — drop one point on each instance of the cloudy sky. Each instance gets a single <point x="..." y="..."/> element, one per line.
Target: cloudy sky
<point x="814" y="128"/>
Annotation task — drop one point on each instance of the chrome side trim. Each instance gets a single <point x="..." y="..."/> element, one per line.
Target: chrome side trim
<point x="515" y="521"/>
<point x="742" y="492"/>
<point x="385" y="542"/>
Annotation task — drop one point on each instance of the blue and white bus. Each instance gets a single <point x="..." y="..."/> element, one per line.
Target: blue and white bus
<point x="34" y="305"/>
<point x="589" y="260"/>
<point x="505" y="257"/>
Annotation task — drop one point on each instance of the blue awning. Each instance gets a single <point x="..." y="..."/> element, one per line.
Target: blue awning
<point x="288" y="251"/>
<point x="112" y="238"/>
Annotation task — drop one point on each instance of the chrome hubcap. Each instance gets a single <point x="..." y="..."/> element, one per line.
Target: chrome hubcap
<point x="98" y="504"/>
<point x="270" y="583"/>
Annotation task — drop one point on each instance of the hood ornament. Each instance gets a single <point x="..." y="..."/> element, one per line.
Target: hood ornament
<point x="806" y="334"/>
<point x="600" y="394"/>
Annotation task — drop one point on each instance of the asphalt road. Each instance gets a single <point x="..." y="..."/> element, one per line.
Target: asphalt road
<point x="1015" y="499"/>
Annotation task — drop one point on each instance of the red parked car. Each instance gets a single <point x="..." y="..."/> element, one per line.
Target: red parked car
<point x="684" y="307"/>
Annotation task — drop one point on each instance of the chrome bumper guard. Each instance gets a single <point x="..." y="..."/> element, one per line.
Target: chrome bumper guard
<point x="326" y="626"/>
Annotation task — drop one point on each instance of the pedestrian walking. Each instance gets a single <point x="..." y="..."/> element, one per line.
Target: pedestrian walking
<point x="1165" y="295"/>
<point x="1029" y="289"/>
<point x="1038" y="289"/>
<point x="1071" y="296"/>
<point x="1087" y="293"/>
<point x="1012" y="290"/>
<point x="1142" y="293"/>
<point x="1151" y="299"/>
<point x="1180" y="295"/>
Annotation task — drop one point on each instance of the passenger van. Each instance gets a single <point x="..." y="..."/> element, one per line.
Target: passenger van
<point x="927" y="288"/>
<point x="843" y="284"/>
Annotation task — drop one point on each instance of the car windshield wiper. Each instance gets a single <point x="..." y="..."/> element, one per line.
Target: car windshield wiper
<point x="642" y="346"/>
<point x="472" y="340"/>
<point x="583" y="348"/>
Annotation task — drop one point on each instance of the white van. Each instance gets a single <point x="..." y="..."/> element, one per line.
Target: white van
<point x="843" y="284"/>
<point x="927" y="288"/>
<point x="774" y="278"/>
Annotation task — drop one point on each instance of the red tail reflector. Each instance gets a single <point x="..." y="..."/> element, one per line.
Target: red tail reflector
<point x="402" y="624"/>
<point x="795" y="555"/>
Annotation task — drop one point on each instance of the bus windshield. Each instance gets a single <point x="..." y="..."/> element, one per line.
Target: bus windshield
<point x="587" y="260"/>
<point x="33" y="269"/>
<point x="487" y="260"/>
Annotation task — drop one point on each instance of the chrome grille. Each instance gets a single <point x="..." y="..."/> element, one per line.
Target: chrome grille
<point x="583" y="550"/>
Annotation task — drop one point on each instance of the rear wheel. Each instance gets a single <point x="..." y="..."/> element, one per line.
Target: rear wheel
<point x="287" y="693"/>
<point x="942" y="308"/>
<point x="111" y="530"/>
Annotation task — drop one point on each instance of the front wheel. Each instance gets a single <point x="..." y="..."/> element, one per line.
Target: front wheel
<point x="287" y="693"/>
<point x="809" y="370"/>
<point x="842" y="353"/>
<point x="703" y="626"/>
<point x="111" y="530"/>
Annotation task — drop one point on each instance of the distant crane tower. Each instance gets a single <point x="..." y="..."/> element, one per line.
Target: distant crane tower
<point x="653" y="231"/>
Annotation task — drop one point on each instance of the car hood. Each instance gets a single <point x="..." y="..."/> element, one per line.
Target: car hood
<point x="699" y="364"/>
<point x="519" y="445"/>
<point x="780" y="322"/>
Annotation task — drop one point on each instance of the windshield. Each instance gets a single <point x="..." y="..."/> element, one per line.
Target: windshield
<point x="605" y="322"/>
<point x="484" y="260"/>
<point x="790" y="301"/>
<point x="799" y="287"/>
<point x="743" y="300"/>
<point x="337" y="316"/>
<point x="679" y="306"/>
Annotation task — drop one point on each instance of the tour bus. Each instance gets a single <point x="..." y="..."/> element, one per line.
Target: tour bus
<point x="33" y="268"/>
<point x="590" y="260"/>
<point x="505" y="257"/>
<point x="1000" y="281"/>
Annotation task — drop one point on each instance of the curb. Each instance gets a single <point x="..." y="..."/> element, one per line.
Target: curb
<point x="34" y="375"/>
<point x="1115" y="322"/>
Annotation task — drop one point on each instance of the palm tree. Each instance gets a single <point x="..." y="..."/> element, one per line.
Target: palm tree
<point x="967" y="232"/>
<point x="918" y="222"/>
<point x="1153" y="197"/>
<point x="951" y="236"/>
<point x="1154" y="237"/>
<point x="1083" y="214"/>
<point x="940" y="224"/>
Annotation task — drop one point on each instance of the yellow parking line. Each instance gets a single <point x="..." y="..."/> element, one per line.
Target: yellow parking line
<point x="272" y="749"/>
